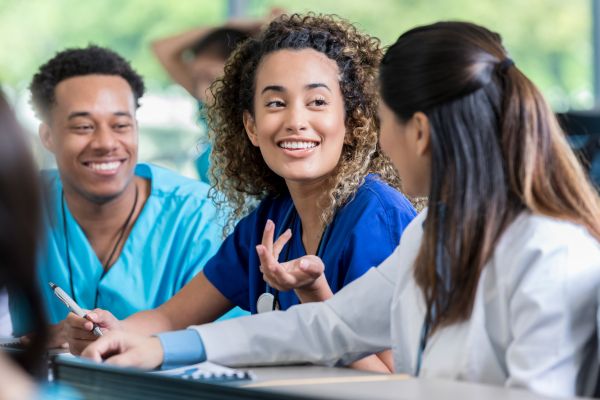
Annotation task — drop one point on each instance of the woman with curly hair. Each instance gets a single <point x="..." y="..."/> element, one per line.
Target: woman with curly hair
<point x="295" y="130"/>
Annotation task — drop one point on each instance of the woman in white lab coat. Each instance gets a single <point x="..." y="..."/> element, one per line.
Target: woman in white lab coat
<point x="495" y="283"/>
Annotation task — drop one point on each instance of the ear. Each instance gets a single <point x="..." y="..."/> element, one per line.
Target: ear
<point x="423" y="132"/>
<point x="250" y="127"/>
<point x="46" y="137"/>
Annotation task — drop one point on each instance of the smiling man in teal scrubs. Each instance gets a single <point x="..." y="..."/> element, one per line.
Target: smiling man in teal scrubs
<point x="119" y="235"/>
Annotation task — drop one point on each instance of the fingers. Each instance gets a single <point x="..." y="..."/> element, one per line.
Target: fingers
<point x="311" y="266"/>
<point x="280" y="242"/>
<point x="126" y="350"/>
<point x="104" y="347"/>
<point x="58" y="336"/>
<point x="267" y="261"/>
<point x="267" y="239"/>
<point x="74" y="322"/>
<point x="76" y="346"/>
<point x="78" y="331"/>
<point x="104" y="319"/>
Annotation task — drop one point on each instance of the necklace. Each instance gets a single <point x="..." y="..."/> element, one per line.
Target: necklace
<point x="107" y="263"/>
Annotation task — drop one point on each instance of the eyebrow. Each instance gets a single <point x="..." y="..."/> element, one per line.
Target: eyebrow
<point x="76" y="114"/>
<point x="281" y="89"/>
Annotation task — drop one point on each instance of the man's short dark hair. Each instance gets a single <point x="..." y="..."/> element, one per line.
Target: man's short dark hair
<point x="70" y="63"/>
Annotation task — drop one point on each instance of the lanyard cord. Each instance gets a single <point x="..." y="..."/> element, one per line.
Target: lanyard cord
<point x="442" y="275"/>
<point x="112" y="253"/>
<point x="423" y="340"/>
<point x="67" y="250"/>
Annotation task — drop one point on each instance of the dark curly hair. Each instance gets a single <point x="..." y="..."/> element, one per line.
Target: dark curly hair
<point x="78" y="62"/>
<point x="238" y="170"/>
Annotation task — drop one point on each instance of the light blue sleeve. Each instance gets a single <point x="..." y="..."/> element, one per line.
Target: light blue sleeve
<point x="182" y="347"/>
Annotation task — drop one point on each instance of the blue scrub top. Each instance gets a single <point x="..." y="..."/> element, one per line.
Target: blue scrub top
<point x="176" y="233"/>
<point x="364" y="232"/>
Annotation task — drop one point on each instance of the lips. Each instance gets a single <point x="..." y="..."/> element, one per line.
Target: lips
<point x="108" y="167"/>
<point x="297" y="144"/>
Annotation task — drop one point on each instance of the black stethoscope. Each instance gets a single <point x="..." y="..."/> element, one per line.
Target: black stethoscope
<point x="110" y="257"/>
<point x="269" y="300"/>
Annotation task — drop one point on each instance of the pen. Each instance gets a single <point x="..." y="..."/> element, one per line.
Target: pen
<point x="72" y="306"/>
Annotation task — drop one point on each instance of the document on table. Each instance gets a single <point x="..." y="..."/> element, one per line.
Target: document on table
<point x="207" y="371"/>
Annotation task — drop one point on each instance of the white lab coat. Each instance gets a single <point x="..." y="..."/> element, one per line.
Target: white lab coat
<point x="533" y="324"/>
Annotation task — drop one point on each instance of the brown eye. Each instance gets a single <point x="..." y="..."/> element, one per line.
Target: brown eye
<point x="319" y="102"/>
<point x="82" y="128"/>
<point x="122" y="127"/>
<point x="275" y="104"/>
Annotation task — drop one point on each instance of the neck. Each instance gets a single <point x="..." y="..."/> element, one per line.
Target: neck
<point x="98" y="219"/>
<point x="305" y="198"/>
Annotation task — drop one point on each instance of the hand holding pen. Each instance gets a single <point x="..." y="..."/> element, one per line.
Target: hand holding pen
<point x="72" y="306"/>
<point x="78" y="330"/>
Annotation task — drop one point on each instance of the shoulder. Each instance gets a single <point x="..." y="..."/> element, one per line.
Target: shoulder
<point x="274" y="208"/>
<point x="542" y="248"/>
<point x="51" y="189"/>
<point x="374" y="191"/>
<point x="168" y="184"/>
<point x="376" y="197"/>
<point x="530" y="232"/>
<point x="50" y="178"/>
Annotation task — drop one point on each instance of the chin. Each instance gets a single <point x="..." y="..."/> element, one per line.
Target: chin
<point x="104" y="195"/>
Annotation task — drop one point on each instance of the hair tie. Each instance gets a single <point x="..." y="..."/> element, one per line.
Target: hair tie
<point x="505" y="64"/>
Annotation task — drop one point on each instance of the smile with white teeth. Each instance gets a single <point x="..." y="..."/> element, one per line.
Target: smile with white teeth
<point x="105" y="166"/>
<point x="297" y="145"/>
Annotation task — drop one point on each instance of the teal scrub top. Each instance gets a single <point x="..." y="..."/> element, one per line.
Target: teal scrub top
<point x="204" y="147"/>
<point x="176" y="233"/>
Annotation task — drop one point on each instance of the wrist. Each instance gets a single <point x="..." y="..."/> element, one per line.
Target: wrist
<point x="158" y="352"/>
<point x="317" y="290"/>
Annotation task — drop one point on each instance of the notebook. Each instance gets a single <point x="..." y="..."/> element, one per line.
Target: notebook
<point x="102" y="381"/>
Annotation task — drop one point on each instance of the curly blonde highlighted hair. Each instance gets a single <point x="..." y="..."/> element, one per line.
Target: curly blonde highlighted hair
<point x="238" y="170"/>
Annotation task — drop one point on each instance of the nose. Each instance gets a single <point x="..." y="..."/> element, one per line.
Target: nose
<point x="296" y="119"/>
<point x="104" y="139"/>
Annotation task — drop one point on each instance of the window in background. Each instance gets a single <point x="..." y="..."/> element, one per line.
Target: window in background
<point x="550" y="40"/>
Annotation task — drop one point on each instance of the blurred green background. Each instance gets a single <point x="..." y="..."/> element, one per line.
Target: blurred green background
<point x="550" y="40"/>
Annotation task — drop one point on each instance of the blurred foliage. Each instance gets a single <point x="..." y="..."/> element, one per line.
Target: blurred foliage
<point x="549" y="39"/>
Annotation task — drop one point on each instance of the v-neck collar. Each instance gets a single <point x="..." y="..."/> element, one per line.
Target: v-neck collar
<point x="79" y="243"/>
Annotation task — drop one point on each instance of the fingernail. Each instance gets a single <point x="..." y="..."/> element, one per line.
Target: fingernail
<point x="92" y="316"/>
<point x="303" y="264"/>
<point x="259" y="250"/>
<point x="269" y="224"/>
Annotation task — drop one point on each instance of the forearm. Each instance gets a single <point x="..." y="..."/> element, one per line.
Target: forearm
<point x="169" y="52"/>
<point x="339" y="330"/>
<point x="380" y="362"/>
<point x="149" y="322"/>
<point x="173" y="46"/>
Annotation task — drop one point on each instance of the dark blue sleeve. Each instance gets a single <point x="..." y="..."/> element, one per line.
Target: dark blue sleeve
<point x="227" y="270"/>
<point x="376" y="233"/>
